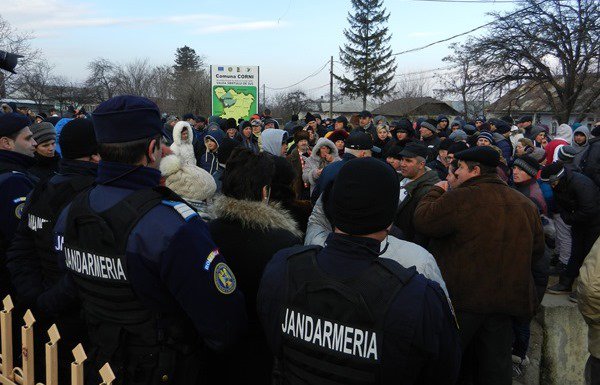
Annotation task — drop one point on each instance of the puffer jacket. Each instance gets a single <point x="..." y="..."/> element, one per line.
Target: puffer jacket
<point x="588" y="297"/>
<point x="314" y="163"/>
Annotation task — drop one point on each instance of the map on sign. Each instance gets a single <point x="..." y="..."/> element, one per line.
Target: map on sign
<point x="234" y="102"/>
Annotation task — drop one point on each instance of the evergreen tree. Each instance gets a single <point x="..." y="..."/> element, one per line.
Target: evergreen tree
<point x="367" y="56"/>
<point x="186" y="60"/>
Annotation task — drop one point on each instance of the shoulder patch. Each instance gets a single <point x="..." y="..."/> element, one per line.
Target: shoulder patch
<point x="183" y="209"/>
<point x="19" y="199"/>
<point x="19" y="210"/>
<point x="224" y="279"/>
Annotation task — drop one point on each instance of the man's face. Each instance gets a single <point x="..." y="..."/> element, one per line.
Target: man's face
<point x="443" y="154"/>
<point x="579" y="138"/>
<point x="425" y="133"/>
<point x="395" y="163"/>
<point x="454" y="127"/>
<point x="23" y="143"/>
<point x="478" y="124"/>
<point x="364" y="121"/>
<point x="401" y="135"/>
<point x="443" y="124"/>
<point x="483" y="142"/>
<point x="269" y="125"/>
<point x="312" y="124"/>
<point x="463" y="173"/>
<point x="318" y="120"/>
<point x="411" y="167"/>
<point x="211" y="145"/>
<point x="519" y="175"/>
<point x="452" y="178"/>
<point x="231" y="132"/>
<point x="449" y="157"/>
<point x="338" y="126"/>
<point x="519" y="149"/>
<point x="339" y="144"/>
<point x="303" y="145"/>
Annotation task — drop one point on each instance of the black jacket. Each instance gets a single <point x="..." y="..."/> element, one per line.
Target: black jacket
<point x="578" y="200"/>
<point x="590" y="162"/>
<point x="248" y="234"/>
<point x="406" y="209"/>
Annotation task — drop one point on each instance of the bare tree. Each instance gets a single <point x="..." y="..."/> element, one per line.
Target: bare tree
<point x="36" y="83"/>
<point x="134" y="78"/>
<point x="285" y="104"/>
<point x="19" y="43"/>
<point x="551" y="44"/>
<point x="102" y="79"/>
<point x="410" y="86"/>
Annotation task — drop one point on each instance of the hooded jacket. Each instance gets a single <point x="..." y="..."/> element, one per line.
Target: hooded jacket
<point x="314" y="163"/>
<point x="564" y="136"/>
<point x="272" y="139"/>
<point x="406" y="209"/>
<point x="183" y="149"/>
<point x="208" y="160"/>
<point x="580" y="148"/>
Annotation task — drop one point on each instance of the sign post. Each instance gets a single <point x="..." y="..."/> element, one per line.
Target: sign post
<point x="234" y="91"/>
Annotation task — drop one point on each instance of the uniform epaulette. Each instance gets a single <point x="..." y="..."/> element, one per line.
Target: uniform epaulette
<point x="183" y="209"/>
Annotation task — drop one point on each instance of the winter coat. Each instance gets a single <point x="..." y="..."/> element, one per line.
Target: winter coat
<point x="588" y="297"/>
<point x="406" y="209"/>
<point x="439" y="168"/>
<point x="383" y="145"/>
<point x="272" y="139"/>
<point x="298" y="163"/>
<point x="192" y="183"/>
<point x="250" y="143"/>
<point x="580" y="148"/>
<point x="485" y="237"/>
<point x="433" y="144"/>
<point x="590" y="161"/>
<point x="532" y="190"/>
<point x="504" y="145"/>
<point x="578" y="200"/>
<point x="45" y="167"/>
<point x="183" y="149"/>
<point x="247" y="234"/>
<point x="405" y="253"/>
<point x="315" y="163"/>
<point x="208" y="161"/>
<point x="370" y="129"/>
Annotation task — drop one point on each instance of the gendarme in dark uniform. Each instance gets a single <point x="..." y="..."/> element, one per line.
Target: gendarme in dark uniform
<point x="341" y="314"/>
<point x="155" y="292"/>
<point x="16" y="157"/>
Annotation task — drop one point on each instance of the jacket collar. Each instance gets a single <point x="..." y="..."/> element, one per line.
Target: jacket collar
<point x="255" y="214"/>
<point x="483" y="179"/>
<point x="20" y="161"/>
<point x="354" y="247"/>
<point x="77" y="167"/>
<point x="127" y="176"/>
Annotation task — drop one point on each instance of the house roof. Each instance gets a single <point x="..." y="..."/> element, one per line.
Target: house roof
<point x="345" y="105"/>
<point x="415" y="106"/>
<point x="530" y="98"/>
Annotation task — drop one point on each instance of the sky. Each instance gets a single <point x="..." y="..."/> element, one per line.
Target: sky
<point x="288" y="39"/>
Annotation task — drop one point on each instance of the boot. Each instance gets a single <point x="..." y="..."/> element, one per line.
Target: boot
<point x="557" y="269"/>
<point x="562" y="287"/>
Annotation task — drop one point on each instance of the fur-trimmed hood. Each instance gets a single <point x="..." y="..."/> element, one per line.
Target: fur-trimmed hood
<point x="184" y="150"/>
<point x="324" y="142"/>
<point x="179" y="126"/>
<point x="255" y="214"/>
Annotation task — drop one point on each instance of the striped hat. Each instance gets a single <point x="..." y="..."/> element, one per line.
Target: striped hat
<point x="528" y="164"/>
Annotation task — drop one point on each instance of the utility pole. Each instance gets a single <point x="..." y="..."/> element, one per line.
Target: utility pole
<point x="331" y="88"/>
<point x="264" y="98"/>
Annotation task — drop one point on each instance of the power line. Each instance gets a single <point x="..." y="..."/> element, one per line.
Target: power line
<point x="470" y="1"/>
<point x="303" y="80"/>
<point x="467" y="32"/>
<point x="424" y="71"/>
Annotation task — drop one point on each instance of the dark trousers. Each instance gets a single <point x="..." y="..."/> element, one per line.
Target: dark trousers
<point x="592" y="368"/>
<point x="487" y="341"/>
<point x="522" y="332"/>
<point x="583" y="240"/>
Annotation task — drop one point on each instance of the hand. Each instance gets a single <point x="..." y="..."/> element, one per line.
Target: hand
<point x="329" y="158"/>
<point x="319" y="171"/>
<point x="443" y="184"/>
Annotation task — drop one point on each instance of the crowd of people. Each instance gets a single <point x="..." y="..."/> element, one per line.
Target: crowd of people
<point x="355" y="250"/>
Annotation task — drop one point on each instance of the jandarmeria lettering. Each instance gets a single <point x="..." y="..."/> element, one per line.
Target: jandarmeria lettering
<point x="330" y="335"/>
<point x="35" y="223"/>
<point x="93" y="265"/>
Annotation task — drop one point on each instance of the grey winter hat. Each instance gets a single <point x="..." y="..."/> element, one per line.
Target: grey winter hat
<point x="430" y="127"/>
<point x="43" y="132"/>
<point x="528" y="164"/>
<point x="458" y="135"/>
<point x="566" y="153"/>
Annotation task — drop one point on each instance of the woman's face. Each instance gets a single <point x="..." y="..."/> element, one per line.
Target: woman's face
<point x="324" y="151"/>
<point x="231" y="132"/>
<point x="211" y="145"/>
<point x="311" y="135"/>
<point x="520" y="149"/>
<point x="256" y="130"/>
<point x="46" y="149"/>
<point x="247" y="131"/>
<point x="401" y="135"/>
<point x="382" y="134"/>
<point x="184" y="135"/>
<point x="339" y="144"/>
<point x="540" y="137"/>
<point x="520" y="176"/>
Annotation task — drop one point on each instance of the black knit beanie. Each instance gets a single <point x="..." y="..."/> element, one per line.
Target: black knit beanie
<point x="528" y="164"/>
<point x="77" y="139"/>
<point x="353" y="208"/>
